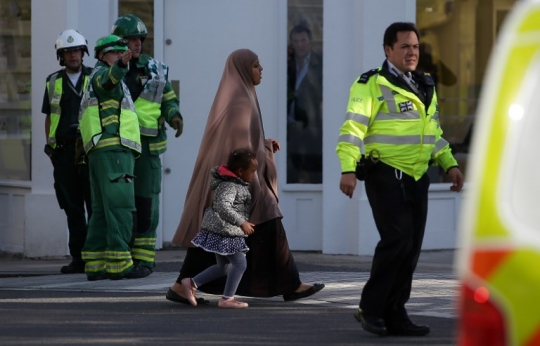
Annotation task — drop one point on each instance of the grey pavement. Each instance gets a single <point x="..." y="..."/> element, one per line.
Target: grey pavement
<point x="433" y="296"/>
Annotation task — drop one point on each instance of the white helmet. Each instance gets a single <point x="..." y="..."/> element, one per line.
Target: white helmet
<point x="68" y="40"/>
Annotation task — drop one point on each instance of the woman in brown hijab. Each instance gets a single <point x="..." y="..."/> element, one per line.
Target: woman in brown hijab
<point x="235" y="122"/>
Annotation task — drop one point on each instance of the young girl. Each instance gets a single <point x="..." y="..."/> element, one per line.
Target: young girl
<point x="224" y="227"/>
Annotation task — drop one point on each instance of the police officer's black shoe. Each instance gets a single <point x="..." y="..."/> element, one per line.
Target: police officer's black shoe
<point x="75" y="267"/>
<point x="407" y="328"/>
<point x="138" y="272"/>
<point x="371" y="324"/>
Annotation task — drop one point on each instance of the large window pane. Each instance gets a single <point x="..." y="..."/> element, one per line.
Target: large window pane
<point x="456" y="40"/>
<point x="15" y="89"/>
<point x="304" y="92"/>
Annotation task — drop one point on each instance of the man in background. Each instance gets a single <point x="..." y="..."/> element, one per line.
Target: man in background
<point x="304" y="109"/>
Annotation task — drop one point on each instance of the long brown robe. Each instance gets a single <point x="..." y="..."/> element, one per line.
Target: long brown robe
<point x="235" y="122"/>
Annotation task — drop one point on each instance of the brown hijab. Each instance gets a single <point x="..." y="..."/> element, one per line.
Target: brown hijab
<point x="234" y="122"/>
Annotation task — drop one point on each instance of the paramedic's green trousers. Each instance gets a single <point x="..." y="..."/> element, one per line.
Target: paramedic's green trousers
<point x="107" y="249"/>
<point x="147" y="190"/>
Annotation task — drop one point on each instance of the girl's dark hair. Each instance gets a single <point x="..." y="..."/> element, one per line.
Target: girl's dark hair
<point x="240" y="158"/>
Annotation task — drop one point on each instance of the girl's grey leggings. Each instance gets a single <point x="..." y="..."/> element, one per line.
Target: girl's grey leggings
<point x="234" y="272"/>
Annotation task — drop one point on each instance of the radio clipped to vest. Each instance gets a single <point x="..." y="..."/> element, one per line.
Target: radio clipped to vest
<point x="366" y="163"/>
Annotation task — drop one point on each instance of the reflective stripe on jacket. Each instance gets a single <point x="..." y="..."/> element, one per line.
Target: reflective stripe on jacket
<point x="100" y="124"/>
<point x="148" y="105"/>
<point x="156" y="104"/>
<point x="382" y="117"/>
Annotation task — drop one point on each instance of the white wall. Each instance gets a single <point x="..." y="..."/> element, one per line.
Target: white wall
<point x="12" y="217"/>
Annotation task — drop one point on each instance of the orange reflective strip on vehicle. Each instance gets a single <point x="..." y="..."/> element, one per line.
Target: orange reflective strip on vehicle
<point x="486" y="261"/>
<point x="535" y="339"/>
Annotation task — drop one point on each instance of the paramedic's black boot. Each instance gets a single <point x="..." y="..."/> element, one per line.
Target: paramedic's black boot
<point x="138" y="272"/>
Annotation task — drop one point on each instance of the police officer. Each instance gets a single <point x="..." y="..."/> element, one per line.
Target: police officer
<point x="392" y="118"/>
<point x="155" y="103"/>
<point x="111" y="139"/>
<point x="61" y="104"/>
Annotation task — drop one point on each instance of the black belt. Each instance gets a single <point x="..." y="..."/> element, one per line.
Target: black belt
<point x="65" y="143"/>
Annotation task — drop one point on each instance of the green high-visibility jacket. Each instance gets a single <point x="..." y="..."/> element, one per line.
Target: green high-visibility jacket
<point x="156" y="104"/>
<point x="392" y="123"/>
<point x="107" y="116"/>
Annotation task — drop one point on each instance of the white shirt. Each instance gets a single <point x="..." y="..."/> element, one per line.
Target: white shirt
<point x="406" y="76"/>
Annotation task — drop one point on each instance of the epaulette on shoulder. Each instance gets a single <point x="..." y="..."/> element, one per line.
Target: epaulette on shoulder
<point x="366" y="75"/>
<point x="428" y="80"/>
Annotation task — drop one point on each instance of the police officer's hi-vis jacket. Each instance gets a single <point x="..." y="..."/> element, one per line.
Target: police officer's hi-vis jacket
<point x="55" y="96"/>
<point x="156" y="104"/>
<point x="112" y="120"/>
<point x="392" y="123"/>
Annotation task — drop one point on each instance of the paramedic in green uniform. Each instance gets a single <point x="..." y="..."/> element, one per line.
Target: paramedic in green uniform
<point x="111" y="139"/>
<point x="155" y="103"/>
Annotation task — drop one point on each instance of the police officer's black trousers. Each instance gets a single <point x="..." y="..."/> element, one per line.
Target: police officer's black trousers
<point x="72" y="187"/>
<point x="400" y="211"/>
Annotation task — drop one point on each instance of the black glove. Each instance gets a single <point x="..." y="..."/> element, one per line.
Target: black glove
<point x="177" y="124"/>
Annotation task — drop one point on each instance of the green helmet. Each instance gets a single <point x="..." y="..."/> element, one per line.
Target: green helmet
<point x="109" y="43"/>
<point x="129" y="25"/>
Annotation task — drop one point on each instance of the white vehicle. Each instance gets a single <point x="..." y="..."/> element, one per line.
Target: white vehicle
<point x="499" y="259"/>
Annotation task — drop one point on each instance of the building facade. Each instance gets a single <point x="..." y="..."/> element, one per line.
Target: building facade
<point x="194" y="38"/>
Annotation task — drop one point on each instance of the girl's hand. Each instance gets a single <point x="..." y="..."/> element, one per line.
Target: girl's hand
<point x="247" y="227"/>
